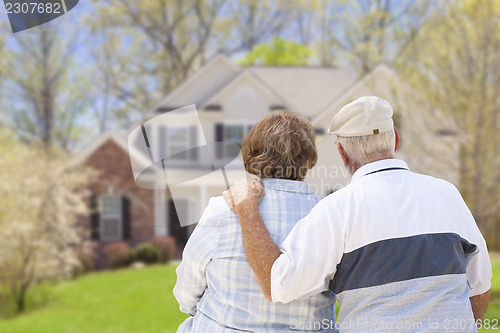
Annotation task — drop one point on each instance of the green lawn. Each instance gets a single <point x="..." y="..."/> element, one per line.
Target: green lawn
<point x="493" y="312"/>
<point x="135" y="301"/>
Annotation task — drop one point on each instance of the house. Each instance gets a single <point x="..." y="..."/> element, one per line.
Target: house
<point x="229" y="99"/>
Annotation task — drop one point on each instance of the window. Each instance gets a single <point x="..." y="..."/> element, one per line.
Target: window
<point x="213" y="107"/>
<point x="164" y="109"/>
<point x="177" y="142"/>
<point x="234" y="133"/>
<point x="111" y="217"/>
<point x="276" y="107"/>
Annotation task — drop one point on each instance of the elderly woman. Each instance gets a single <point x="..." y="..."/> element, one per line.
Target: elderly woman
<point x="215" y="284"/>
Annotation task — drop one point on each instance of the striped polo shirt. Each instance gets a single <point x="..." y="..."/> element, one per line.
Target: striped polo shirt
<point x="401" y="251"/>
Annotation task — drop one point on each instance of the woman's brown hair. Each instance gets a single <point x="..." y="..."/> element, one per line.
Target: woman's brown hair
<point x="280" y="145"/>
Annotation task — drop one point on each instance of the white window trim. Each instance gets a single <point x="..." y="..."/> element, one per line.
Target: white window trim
<point x="102" y="216"/>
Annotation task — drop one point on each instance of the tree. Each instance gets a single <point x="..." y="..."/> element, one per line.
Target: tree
<point x="279" y="52"/>
<point x="362" y="34"/>
<point x="42" y="197"/>
<point x="3" y="30"/>
<point x="247" y="23"/>
<point x="106" y="76"/>
<point x="47" y="94"/>
<point x="166" y="40"/>
<point x="454" y="65"/>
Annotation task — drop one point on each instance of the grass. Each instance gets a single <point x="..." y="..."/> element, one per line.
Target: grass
<point x="493" y="312"/>
<point x="135" y="301"/>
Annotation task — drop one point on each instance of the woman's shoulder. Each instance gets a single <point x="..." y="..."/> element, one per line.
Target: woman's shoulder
<point x="216" y="208"/>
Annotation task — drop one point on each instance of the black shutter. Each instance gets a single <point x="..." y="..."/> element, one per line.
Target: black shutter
<point x="219" y="132"/>
<point x="219" y="137"/>
<point x="94" y="217"/>
<point x="126" y="217"/>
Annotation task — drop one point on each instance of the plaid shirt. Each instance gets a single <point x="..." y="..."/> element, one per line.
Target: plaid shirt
<point x="216" y="286"/>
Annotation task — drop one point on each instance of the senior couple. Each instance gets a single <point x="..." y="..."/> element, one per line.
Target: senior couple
<point x="400" y="251"/>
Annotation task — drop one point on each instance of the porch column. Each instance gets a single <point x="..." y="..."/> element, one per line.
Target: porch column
<point x="161" y="223"/>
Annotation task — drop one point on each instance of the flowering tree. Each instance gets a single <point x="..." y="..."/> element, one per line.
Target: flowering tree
<point x="42" y="195"/>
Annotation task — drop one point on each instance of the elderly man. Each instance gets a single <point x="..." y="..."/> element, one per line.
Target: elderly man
<point x="401" y="250"/>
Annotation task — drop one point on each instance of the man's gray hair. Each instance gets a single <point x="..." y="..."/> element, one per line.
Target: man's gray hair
<point x="365" y="149"/>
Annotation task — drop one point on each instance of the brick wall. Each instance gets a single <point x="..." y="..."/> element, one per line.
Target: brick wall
<point x="115" y="177"/>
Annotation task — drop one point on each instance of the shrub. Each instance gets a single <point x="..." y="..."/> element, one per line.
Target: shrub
<point x="165" y="246"/>
<point x="146" y="253"/>
<point x="117" y="254"/>
<point x="86" y="258"/>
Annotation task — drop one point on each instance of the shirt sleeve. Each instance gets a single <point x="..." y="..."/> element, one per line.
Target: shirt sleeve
<point x="478" y="271"/>
<point x="310" y="255"/>
<point x="191" y="273"/>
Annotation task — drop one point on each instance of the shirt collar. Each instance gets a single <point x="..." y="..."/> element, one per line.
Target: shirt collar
<point x="286" y="185"/>
<point x="378" y="165"/>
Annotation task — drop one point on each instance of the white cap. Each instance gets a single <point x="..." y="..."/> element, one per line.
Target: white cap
<point x="365" y="116"/>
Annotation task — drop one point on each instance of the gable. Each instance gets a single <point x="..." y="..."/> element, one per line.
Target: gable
<point x="108" y="154"/>
<point x="380" y="82"/>
<point x="96" y="144"/>
<point x="245" y="98"/>
<point x="307" y="90"/>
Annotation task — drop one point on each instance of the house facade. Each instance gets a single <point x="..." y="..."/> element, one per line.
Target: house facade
<point x="229" y="99"/>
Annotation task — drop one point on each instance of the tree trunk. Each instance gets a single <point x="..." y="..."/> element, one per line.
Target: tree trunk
<point x="21" y="299"/>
